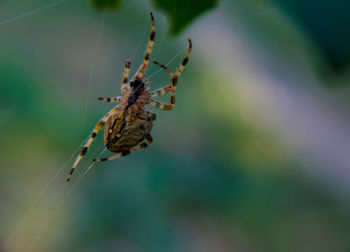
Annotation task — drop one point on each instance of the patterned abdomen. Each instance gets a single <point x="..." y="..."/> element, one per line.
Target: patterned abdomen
<point x="121" y="135"/>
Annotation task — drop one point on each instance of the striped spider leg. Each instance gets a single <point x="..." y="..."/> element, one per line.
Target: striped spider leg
<point x="142" y="70"/>
<point x="92" y="137"/>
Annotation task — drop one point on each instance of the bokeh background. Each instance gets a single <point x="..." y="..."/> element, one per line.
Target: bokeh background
<point x="254" y="157"/>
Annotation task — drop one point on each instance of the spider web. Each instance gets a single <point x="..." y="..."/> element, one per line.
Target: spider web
<point x="67" y="188"/>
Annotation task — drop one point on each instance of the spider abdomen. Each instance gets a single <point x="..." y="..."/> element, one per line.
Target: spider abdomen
<point x="122" y="135"/>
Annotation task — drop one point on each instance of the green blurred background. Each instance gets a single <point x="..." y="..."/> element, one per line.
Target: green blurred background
<point x="254" y="157"/>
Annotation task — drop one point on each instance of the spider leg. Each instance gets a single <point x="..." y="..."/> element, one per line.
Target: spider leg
<point x="185" y="60"/>
<point x="148" y="83"/>
<point x="94" y="132"/>
<point x="107" y="99"/>
<point x="142" y="70"/>
<point x="165" y="67"/>
<point x="160" y="105"/>
<point x="125" y="153"/>
<point x="174" y="79"/>
<point x="161" y="91"/>
<point x="125" y="76"/>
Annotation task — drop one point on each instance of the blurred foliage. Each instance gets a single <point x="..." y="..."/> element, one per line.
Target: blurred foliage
<point x="146" y="208"/>
<point x="327" y="25"/>
<point x="181" y="12"/>
<point x="33" y="105"/>
<point x="106" y="4"/>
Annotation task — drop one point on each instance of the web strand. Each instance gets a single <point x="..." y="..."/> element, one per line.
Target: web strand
<point x="93" y="64"/>
<point x="31" y="12"/>
<point x="61" y="203"/>
<point x="259" y="13"/>
<point x="39" y="197"/>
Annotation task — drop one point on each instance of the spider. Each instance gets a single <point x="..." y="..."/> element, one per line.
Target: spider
<point x="128" y="124"/>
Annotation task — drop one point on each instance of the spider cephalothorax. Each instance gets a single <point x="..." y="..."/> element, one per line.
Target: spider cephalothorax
<point x="128" y="124"/>
<point x="138" y="95"/>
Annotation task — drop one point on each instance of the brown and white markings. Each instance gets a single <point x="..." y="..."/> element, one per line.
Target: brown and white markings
<point x="128" y="124"/>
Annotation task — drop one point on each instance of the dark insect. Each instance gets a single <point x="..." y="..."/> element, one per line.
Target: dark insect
<point x="128" y="124"/>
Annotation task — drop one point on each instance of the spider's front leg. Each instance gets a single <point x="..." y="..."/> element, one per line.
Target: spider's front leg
<point x="133" y="149"/>
<point x="92" y="137"/>
<point x="142" y="70"/>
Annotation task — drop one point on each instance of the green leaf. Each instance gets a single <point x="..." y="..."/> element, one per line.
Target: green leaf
<point x="106" y="4"/>
<point x="182" y="12"/>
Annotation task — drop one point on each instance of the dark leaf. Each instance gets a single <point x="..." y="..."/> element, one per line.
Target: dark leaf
<point x="327" y="24"/>
<point x="181" y="12"/>
<point x="106" y="4"/>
